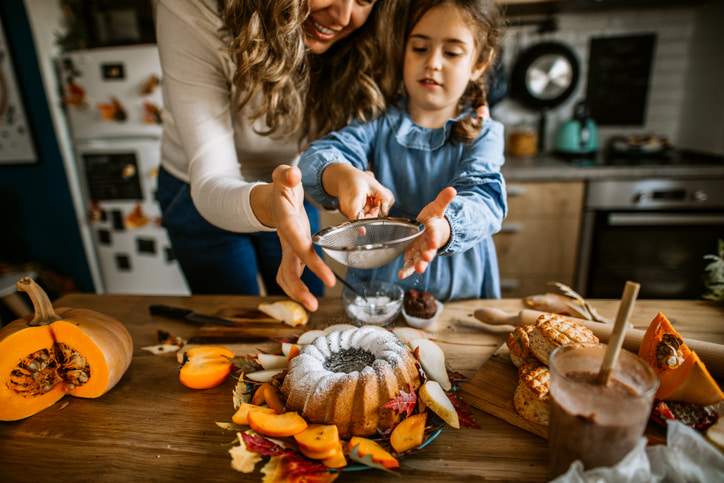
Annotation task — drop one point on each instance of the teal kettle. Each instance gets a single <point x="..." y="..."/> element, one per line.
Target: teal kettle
<point x="578" y="138"/>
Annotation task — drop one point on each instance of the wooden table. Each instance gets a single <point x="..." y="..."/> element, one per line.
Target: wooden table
<point x="152" y="428"/>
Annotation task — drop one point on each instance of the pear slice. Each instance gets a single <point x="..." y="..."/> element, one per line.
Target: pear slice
<point x="264" y="376"/>
<point x="287" y="311"/>
<point x="432" y="360"/>
<point x="406" y="334"/>
<point x="437" y="401"/>
<point x="309" y="336"/>
<point x="272" y="361"/>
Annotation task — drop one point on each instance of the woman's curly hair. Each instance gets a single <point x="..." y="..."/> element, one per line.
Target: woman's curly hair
<point x="484" y="18"/>
<point x="292" y="90"/>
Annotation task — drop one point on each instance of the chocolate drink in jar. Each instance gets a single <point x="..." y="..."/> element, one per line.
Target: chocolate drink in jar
<point x="596" y="424"/>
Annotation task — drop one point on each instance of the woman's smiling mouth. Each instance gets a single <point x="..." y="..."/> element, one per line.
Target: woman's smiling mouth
<point x="325" y="31"/>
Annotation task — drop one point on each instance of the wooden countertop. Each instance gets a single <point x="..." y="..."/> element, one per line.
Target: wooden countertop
<point x="152" y="428"/>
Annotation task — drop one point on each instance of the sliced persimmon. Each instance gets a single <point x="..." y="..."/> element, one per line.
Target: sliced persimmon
<point x="318" y="441"/>
<point x="409" y="433"/>
<point x="205" y="366"/>
<point x="277" y="425"/>
<point x="368" y="447"/>
<point x="241" y="416"/>
<point x="337" y="460"/>
<point x="273" y="398"/>
<point x="259" y="399"/>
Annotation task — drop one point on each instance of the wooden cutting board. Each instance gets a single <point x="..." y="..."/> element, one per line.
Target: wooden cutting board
<point x="492" y="387"/>
<point x="491" y="390"/>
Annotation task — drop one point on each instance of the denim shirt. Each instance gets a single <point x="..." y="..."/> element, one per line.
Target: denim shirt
<point x="416" y="163"/>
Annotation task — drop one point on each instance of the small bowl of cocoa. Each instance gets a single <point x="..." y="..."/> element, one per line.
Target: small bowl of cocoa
<point x="420" y="309"/>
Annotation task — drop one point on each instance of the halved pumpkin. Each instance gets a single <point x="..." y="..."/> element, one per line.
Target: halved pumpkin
<point x="662" y="347"/>
<point x="63" y="351"/>
<point x="690" y="383"/>
<point x="682" y="375"/>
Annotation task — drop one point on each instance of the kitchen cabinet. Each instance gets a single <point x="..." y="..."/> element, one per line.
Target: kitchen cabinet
<point x="539" y="240"/>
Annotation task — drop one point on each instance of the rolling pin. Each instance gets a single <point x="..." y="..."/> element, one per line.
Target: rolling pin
<point x="712" y="355"/>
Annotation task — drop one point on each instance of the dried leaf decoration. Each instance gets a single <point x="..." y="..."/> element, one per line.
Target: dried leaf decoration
<point x="246" y="364"/>
<point x="367" y="460"/>
<point x="242" y="392"/>
<point x="229" y="426"/>
<point x="291" y="468"/>
<point x="465" y="415"/>
<point x="242" y="459"/>
<point x="262" y="445"/>
<point x="404" y="403"/>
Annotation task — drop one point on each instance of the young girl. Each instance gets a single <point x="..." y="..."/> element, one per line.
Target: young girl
<point x="436" y="155"/>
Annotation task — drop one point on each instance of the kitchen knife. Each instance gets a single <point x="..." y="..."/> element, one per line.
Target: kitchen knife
<point x="189" y="315"/>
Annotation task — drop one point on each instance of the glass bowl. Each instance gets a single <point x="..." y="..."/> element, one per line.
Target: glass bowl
<point x="385" y="303"/>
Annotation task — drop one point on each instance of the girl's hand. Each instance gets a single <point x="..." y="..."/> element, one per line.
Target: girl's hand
<point x="437" y="233"/>
<point x="281" y="204"/>
<point x="359" y="193"/>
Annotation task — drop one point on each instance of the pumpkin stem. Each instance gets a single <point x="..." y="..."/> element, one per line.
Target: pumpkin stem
<point x="44" y="313"/>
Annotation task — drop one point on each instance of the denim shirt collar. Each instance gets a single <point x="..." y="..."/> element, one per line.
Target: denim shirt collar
<point x="410" y="135"/>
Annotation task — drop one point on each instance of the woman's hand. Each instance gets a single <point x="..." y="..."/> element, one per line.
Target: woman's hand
<point x="359" y="193"/>
<point x="281" y="204"/>
<point x="437" y="233"/>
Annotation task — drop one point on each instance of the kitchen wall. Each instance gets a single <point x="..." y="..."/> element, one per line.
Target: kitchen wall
<point x="38" y="220"/>
<point x="685" y="103"/>
<point x="685" y="100"/>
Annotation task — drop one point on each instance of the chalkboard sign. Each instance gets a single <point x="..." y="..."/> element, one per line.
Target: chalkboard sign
<point x="618" y="78"/>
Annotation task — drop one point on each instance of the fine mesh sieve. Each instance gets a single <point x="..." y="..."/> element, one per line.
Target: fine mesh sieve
<point x="368" y="243"/>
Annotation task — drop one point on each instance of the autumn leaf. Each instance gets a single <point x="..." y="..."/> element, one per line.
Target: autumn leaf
<point x="246" y="364"/>
<point x="465" y="415"/>
<point x="404" y="403"/>
<point x="261" y="445"/>
<point x="229" y="426"/>
<point x="242" y="459"/>
<point x="242" y="392"/>
<point x="288" y="468"/>
<point x="299" y="465"/>
<point x="273" y="470"/>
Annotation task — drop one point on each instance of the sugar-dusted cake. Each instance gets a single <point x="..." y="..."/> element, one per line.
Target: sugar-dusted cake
<point x="345" y="378"/>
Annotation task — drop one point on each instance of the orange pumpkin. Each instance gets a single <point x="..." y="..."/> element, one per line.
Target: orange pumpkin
<point x="682" y="375"/>
<point x="64" y="351"/>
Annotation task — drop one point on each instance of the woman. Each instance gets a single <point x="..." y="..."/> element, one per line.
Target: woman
<point x="246" y="84"/>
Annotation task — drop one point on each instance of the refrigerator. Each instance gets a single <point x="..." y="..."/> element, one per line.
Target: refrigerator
<point x="112" y="99"/>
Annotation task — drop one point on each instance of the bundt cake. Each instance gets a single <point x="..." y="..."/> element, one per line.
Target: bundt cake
<point x="345" y="377"/>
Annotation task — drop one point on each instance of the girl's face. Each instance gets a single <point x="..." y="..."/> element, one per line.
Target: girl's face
<point x="332" y="20"/>
<point x="439" y="62"/>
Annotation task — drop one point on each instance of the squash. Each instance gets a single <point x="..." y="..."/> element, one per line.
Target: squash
<point x="57" y="352"/>
<point x="661" y="346"/>
<point x="682" y="375"/>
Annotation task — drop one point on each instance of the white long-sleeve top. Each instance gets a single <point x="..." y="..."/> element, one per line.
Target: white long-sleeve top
<point x="206" y="142"/>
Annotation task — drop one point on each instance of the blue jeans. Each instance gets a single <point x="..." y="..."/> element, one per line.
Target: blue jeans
<point x="216" y="261"/>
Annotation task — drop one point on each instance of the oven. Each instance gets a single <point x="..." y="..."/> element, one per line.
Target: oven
<point x="651" y="231"/>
